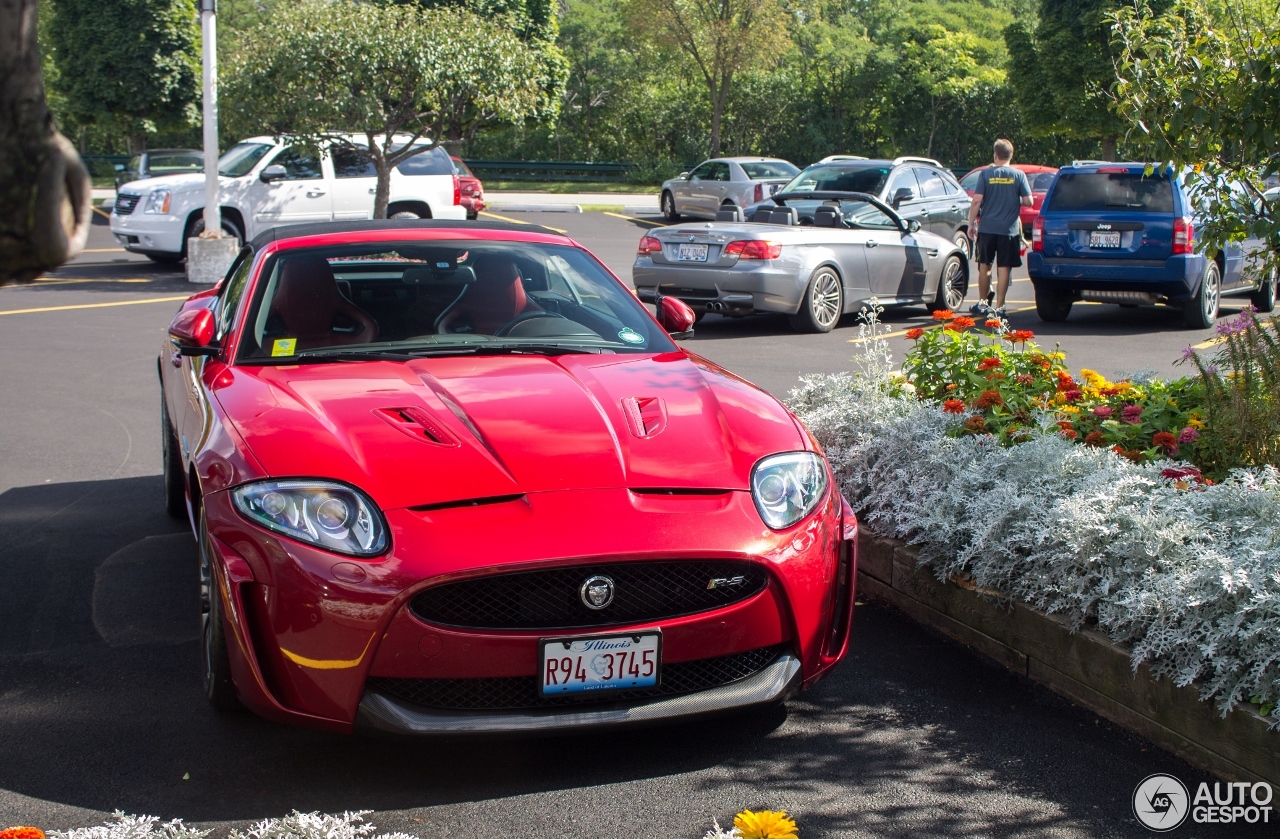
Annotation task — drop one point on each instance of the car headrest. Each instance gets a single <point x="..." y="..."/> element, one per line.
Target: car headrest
<point x="784" y="215"/>
<point x="729" y="214"/>
<point x="761" y="215"/>
<point x="827" y="216"/>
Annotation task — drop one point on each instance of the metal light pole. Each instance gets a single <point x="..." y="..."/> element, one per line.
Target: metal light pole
<point x="209" y="32"/>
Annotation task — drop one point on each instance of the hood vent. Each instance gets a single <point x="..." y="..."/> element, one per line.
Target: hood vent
<point x="646" y="415"/>
<point x="418" y="424"/>
<point x="467" y="502"/>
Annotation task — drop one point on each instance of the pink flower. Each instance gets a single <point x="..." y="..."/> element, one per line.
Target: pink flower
<point x="1073" y="395"/>
<point x="1188" y="435"/>
<point x="1132" y="414"/>
<point x="1102" y="411"/>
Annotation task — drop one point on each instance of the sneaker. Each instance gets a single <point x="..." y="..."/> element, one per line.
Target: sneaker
<point x="977" y="309"/>
<point x="999" y="313"/>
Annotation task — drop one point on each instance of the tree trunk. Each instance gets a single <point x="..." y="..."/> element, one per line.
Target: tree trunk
<point x="719" y="99"/>
<point x="45" y="192"/>
<point x="933" y="124"/>
<point x="1109" y="148"/>
<point x="382" y="193"/>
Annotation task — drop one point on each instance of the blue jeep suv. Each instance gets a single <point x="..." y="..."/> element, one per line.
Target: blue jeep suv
<point x="1111" y="233"/>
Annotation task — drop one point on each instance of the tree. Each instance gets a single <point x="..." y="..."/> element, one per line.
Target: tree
<point x="947" y="66"/>
<point x="318" y="69"/>
<point x="44" y="220"/>
<point x="719" y="37"/>
<point x="132" y="65"/>
<point x="1063" y="71"/>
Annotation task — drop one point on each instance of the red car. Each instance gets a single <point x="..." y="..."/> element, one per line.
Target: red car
<point x="470" y="188"/>
<point x="1040" y="178"/>
<point x="453" y="477"/>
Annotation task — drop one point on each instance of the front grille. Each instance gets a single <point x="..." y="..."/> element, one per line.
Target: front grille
<point x="126" y="203"/>
<point x="521" y="692"/>
<point x="550" y="598"/>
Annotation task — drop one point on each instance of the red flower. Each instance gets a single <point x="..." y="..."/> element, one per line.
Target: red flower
<point x="992" y="324"/>
<point x="1019" y="336"/>
<point x="22" y="833"/>
<point x="1064" y="423"/>
<point x="1182" y="473"/>
<point x="1073" y="395"/>
<point x="1093" y="438"/>
<point x="988" y="363"/>
<point x="953" y="406"/>
<point x="976" y="424"/>
<point x="1025" y="379"/>
<point x="1069" y="433"/>
<point x="995" y="377"/>
<point x="914" y="333"/>
<point x="962" y="322"/>
<point x="943" y="314"/>
<point x="990" y="398"/>
<point x="1165" y="440"/>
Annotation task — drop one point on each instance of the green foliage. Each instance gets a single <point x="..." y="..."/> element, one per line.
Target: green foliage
<point x="1241" y="395"/>
<point x="127" y="66"/>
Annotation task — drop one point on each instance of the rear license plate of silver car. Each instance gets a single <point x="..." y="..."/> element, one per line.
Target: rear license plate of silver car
<point x="1104" y="238"/>
<point x="691" y="253"/>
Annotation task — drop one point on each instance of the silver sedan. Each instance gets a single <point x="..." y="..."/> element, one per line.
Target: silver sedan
<point x="724" y="182"/>
<point x="814" y="257"/>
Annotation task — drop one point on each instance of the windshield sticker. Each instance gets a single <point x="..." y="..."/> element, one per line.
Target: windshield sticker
<point x="631" y="336"/>
<point x="283" y="346"/>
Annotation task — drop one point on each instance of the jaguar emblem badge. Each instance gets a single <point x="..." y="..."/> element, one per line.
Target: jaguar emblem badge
<point x="597" y="592"/>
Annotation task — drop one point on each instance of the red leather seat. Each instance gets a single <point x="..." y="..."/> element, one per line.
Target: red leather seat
<point x="314" y="311"/>
<point x="495" y="298"/>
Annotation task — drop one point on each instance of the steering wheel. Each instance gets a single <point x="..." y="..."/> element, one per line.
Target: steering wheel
<point x="505" y="329"/>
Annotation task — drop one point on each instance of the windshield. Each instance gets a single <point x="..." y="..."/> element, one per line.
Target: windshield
<point x="768" y="169"/>
<point x="1095" y="191"/>
<point x="840" y="177"/>
<point x="441" y="298"/>
<point x="240" y="159"/>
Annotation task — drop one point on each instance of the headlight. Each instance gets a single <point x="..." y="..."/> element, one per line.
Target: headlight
<point x="786" y="487"/>
<point x="157" y="202"/>
<point x="332" y="516"/>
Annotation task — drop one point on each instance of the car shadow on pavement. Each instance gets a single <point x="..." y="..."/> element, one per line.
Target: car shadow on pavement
<point x="101" y="708"/>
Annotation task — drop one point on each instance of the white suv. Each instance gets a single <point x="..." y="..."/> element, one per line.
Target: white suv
<point x="156" y="216"/>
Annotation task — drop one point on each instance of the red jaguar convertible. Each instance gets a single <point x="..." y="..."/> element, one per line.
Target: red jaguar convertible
<point x="452" y="477"/>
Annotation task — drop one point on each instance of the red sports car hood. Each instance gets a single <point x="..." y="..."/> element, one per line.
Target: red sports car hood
<point x="442" y="430"/>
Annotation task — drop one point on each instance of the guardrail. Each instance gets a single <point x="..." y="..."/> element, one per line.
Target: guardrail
<point x="549" y="170"/>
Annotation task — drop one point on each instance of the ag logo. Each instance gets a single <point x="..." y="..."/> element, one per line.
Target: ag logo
<point x="597" y="592"/>
<point x="1161" y="803"/>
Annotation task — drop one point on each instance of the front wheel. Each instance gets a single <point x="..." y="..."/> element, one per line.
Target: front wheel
<point x="219" y="688"/>
<point x="175" y="491"/>
<point x="962" y="242"/>
<point x="822" y="305"/>
<point x="229" y="227"/>
<point x="1264" y="297"/>
<point x="669" y="207"/>
<point x="953" y="285"/>
<point x="1053" y="306"/>
<point x="1201" y="311"/>
<point x="404" y="214"/>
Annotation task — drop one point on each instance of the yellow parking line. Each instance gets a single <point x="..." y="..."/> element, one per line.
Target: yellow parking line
<point x="44" y="281"/>
<point x="519" y="221"/>
<point x="640" y="220"/>
<point x="102" y="250"/>
<point x="101" y="213"/>
<point x="95" y="305"/>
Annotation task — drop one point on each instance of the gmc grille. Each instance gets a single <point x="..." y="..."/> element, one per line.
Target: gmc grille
<point x="125" y="203"/>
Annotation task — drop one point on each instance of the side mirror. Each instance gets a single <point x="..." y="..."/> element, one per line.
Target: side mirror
<point x="684" y="175"/>
<point x="676" y="317"/>
<point x="119" y="167"/>
<point x="274" y="172"/>
<point x="913" y="226"/>
<point x="903" y="194"/>
<point x="192" y="331"/>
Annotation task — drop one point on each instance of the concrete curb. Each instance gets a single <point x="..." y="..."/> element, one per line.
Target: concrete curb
<point x="1085" y="666"/>
<point x="536" y="208"/>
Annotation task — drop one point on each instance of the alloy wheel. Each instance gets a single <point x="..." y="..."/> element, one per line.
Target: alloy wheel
<point x="826" y="299"/>
<point x="954" y="281"/>
<point x="1209" y="297"/>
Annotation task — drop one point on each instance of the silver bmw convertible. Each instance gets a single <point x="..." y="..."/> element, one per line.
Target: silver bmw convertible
<point x="814" y="257"/>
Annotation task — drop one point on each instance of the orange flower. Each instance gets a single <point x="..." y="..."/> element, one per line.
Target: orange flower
<point x="1165" y="440"/>
<point x="976" y="424"/>
<point x="1093" y="438"/>
<point x="988" y="363"/>
<point x="914" y="333"/>
<point x="952" y="386"/>
<point x="953" y="406"/>
<point x="22" y="833"/>
<point x="943" y="314"/>
<point x="1069" y="433"/>
<point x="1064" y="424"/>
<point x="995" y="377"/>
<point x="1019" y="336"/>
<point x="992" y="324"/>
<point x="961" y="322"/>
<point x="990" y="398"/>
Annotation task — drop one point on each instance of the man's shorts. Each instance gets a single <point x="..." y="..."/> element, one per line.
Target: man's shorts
<point x="1006" y="249"/>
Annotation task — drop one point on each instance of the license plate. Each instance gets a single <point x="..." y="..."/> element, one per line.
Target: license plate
<point x="600" y="663"/>
<point x="692" y="253"/>
<point x="1104" y="239"/>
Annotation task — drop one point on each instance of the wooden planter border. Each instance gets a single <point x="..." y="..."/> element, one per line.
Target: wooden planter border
<point x="1086" y="667"/>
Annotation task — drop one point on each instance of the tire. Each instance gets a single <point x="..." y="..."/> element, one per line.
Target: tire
<point x="1201" y="311"/>
<point x="229" y="227"/>
<point x="1264" y="298"/>
<point x="822" y="305"/>
<point x="404" y="214"/>
<point x="175" y="489"/>
<point x="962" y="242"/>
<point x="953" y="285"/>
<point x="1053" y="306"/>
<point x="669" y="207"/>
<point x="219" y="689"/>
<point x="164" y="258"/>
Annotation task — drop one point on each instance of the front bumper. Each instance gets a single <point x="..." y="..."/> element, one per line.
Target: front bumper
<point x="148" y="232"/>
<point x="754" y="286"/>
<point x="1176" y="278"/>
<point x="382" y="713"/>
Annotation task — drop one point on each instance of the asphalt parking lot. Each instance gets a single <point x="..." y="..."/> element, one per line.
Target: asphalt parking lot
<point x="100" y="699"/>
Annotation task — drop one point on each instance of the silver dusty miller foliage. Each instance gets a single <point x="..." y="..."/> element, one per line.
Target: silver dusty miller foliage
<point x="1188" y="578"/>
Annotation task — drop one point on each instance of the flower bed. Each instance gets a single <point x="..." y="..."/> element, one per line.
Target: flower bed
<point x="1187" y="575"/>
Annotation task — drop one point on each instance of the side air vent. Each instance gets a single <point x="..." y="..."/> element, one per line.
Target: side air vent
<point x="646" y="415"/>
<point x="418" y="424"/>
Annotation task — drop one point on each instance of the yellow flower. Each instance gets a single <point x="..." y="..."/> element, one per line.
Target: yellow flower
<point x="1195" y="423"/>
<point x="765" y="825"/>
<point x="1059" y="356"/>
<point x="1069" y="409"/>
